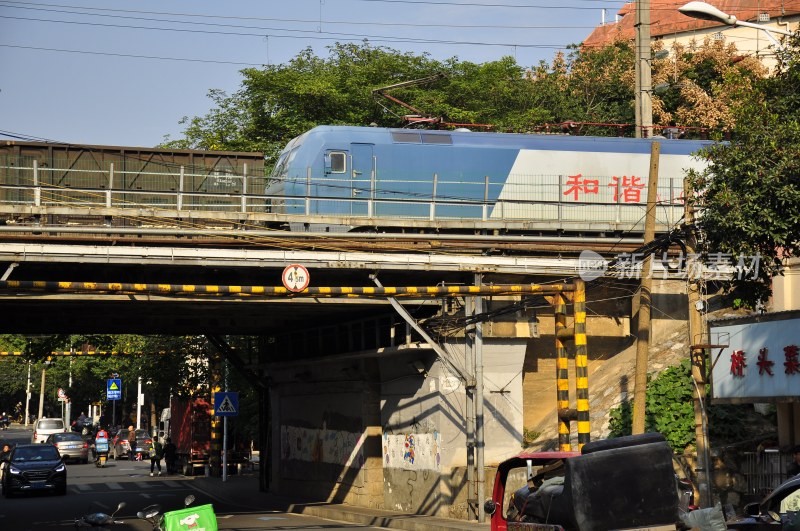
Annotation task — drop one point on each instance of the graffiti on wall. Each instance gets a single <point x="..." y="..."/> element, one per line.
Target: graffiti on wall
<point x="322" y="446"/>
<point x="412" y="451"/>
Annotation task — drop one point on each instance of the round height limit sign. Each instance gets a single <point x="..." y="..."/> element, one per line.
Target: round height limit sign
<point x="295" y="278"/>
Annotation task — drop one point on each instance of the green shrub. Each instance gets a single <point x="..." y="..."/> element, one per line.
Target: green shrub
<point x="670" y="411"/>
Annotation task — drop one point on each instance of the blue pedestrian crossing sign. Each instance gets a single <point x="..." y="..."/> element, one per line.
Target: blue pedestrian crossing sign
<point x="113" y="389"/>
<point x="226" y="404"/>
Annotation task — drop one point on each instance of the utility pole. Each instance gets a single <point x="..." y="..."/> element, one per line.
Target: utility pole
<point x="69" y="402"/>
<point x="28" y="395"/>
<point x="225" y="430"/>
<point x="645" y="300"/>
<point x="644" y="92"/>
<point x="139" y="403"/>
<point x="41" y="391"/>
<point x="697" y="353"/>
<point x="480" y="443"/>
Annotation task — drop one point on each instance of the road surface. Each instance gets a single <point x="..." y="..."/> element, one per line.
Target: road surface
<point x="92" y="489"/>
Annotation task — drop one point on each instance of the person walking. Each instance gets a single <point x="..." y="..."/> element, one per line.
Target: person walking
<point x="132" y="443"/>
<point x="156" y="454"/>
<point x="170" y="453"/>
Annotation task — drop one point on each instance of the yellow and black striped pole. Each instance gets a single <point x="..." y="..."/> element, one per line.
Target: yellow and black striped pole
<point x="562" y="373"/>
<point x="114" y="288"/>
<point x="577" y="333"/>
<point x="82" y="353"/>
<point x="581" y="363"/>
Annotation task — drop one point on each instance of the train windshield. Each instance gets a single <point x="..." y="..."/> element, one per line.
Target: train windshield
<point x="282" y="167"/>
<point x="285" y="159"/>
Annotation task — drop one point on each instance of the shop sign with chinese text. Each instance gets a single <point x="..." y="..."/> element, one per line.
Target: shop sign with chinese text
<point x="761" y="361"/>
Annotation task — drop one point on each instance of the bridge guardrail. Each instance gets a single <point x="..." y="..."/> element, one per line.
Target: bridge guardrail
<point x="522" y="198"/>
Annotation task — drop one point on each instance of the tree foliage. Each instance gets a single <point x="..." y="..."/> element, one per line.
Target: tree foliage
<point x="595" y="85"/>
<point x="750" y="194"/>
<point x="169" y="366"/>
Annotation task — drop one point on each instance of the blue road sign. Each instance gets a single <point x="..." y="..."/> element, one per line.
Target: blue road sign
<point x="114" y="389"/>
<point x="226" y="404"/>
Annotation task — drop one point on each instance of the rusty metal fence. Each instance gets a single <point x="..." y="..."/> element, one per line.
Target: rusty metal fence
<point x="765" y="470"/>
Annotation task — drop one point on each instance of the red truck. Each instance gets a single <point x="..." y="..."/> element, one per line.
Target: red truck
<point x="623" y="484"/>
<point x="188" y="423"/>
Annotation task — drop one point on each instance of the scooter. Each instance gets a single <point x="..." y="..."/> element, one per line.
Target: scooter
<point x="99" y="519"/>
<point x="100" y="452"/>
<point x="153" y="515"/>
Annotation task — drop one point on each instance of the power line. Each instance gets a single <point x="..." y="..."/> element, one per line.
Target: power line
<point x="129" y="55"/>
<point x="306" y="34"/>
<point x="481" y="4"/>
<point x="47" y="7"/>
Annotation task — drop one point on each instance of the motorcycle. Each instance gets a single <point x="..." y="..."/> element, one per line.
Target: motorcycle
<point x="99" y="519"/>
<point x="202" y="516"/>
<point x="100" y="452"/>
<point x="5" y="422"/>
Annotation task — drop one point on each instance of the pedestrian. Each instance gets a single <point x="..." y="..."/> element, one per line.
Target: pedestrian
<point x="5" y="453"/>
<point x="170" y="453"/>
<point x="156" y="454"/>
<point x="132" y="443"/>
<point x="794" y="466"/>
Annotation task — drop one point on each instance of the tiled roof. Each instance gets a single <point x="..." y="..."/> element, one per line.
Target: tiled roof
<point x="665" y="19"/>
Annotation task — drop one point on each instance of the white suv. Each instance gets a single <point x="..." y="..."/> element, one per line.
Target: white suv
<point x="44" y="427"/>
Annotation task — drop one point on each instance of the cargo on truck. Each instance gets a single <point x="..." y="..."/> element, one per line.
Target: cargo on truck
<point x="187" y="422"/>
<point x="614" y="484"/>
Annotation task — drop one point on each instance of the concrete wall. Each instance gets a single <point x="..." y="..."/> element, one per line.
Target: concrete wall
<point x="412" y="456"/>
<point x="786" y="288"/>
<point x="425" y="446"/>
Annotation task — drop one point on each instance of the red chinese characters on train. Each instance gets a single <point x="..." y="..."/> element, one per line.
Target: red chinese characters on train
<point x="631" y="188"/>
<point x="627" y="189"/>
<point x="579" y="185"/>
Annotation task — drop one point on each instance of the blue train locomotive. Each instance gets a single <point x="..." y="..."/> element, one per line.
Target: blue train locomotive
<point x="371" y="176"/>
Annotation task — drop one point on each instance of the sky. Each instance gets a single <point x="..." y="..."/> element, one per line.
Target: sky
<point x="124" y="73"/>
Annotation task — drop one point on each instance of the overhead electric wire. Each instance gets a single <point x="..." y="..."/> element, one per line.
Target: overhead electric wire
<point x="306" y="34"/>
<point x="128" y="55"/>
<point x="250" y="18"/>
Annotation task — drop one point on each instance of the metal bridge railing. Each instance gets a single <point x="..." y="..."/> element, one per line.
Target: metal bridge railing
<point x="554" y="199"/>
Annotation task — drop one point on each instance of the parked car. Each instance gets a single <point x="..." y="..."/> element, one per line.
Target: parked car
<point x="120" y="447"/>
<point x="45" y="427"/>
<point x="34" y="467"/>
<point x="70" y="446"/>
<point x="779" y="510"/>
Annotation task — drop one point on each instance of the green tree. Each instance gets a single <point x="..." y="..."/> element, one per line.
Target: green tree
<point x="749" y="195"/>
<point x="278" y="102"/>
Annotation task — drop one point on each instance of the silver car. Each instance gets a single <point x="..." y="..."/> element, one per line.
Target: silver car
<point x="45" y="427"/>
<point x="70" y="445"/>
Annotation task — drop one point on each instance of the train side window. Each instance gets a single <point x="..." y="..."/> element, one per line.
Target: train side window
<point x="337" y="162"/>
<point x="406" y="137"/>
<point x="428" y="138"/>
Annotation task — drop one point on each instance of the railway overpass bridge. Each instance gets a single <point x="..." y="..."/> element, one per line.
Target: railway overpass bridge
<point x="352" y="381"/>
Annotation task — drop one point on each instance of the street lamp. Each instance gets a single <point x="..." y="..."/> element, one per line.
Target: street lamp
<point x="704" y="11"/>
